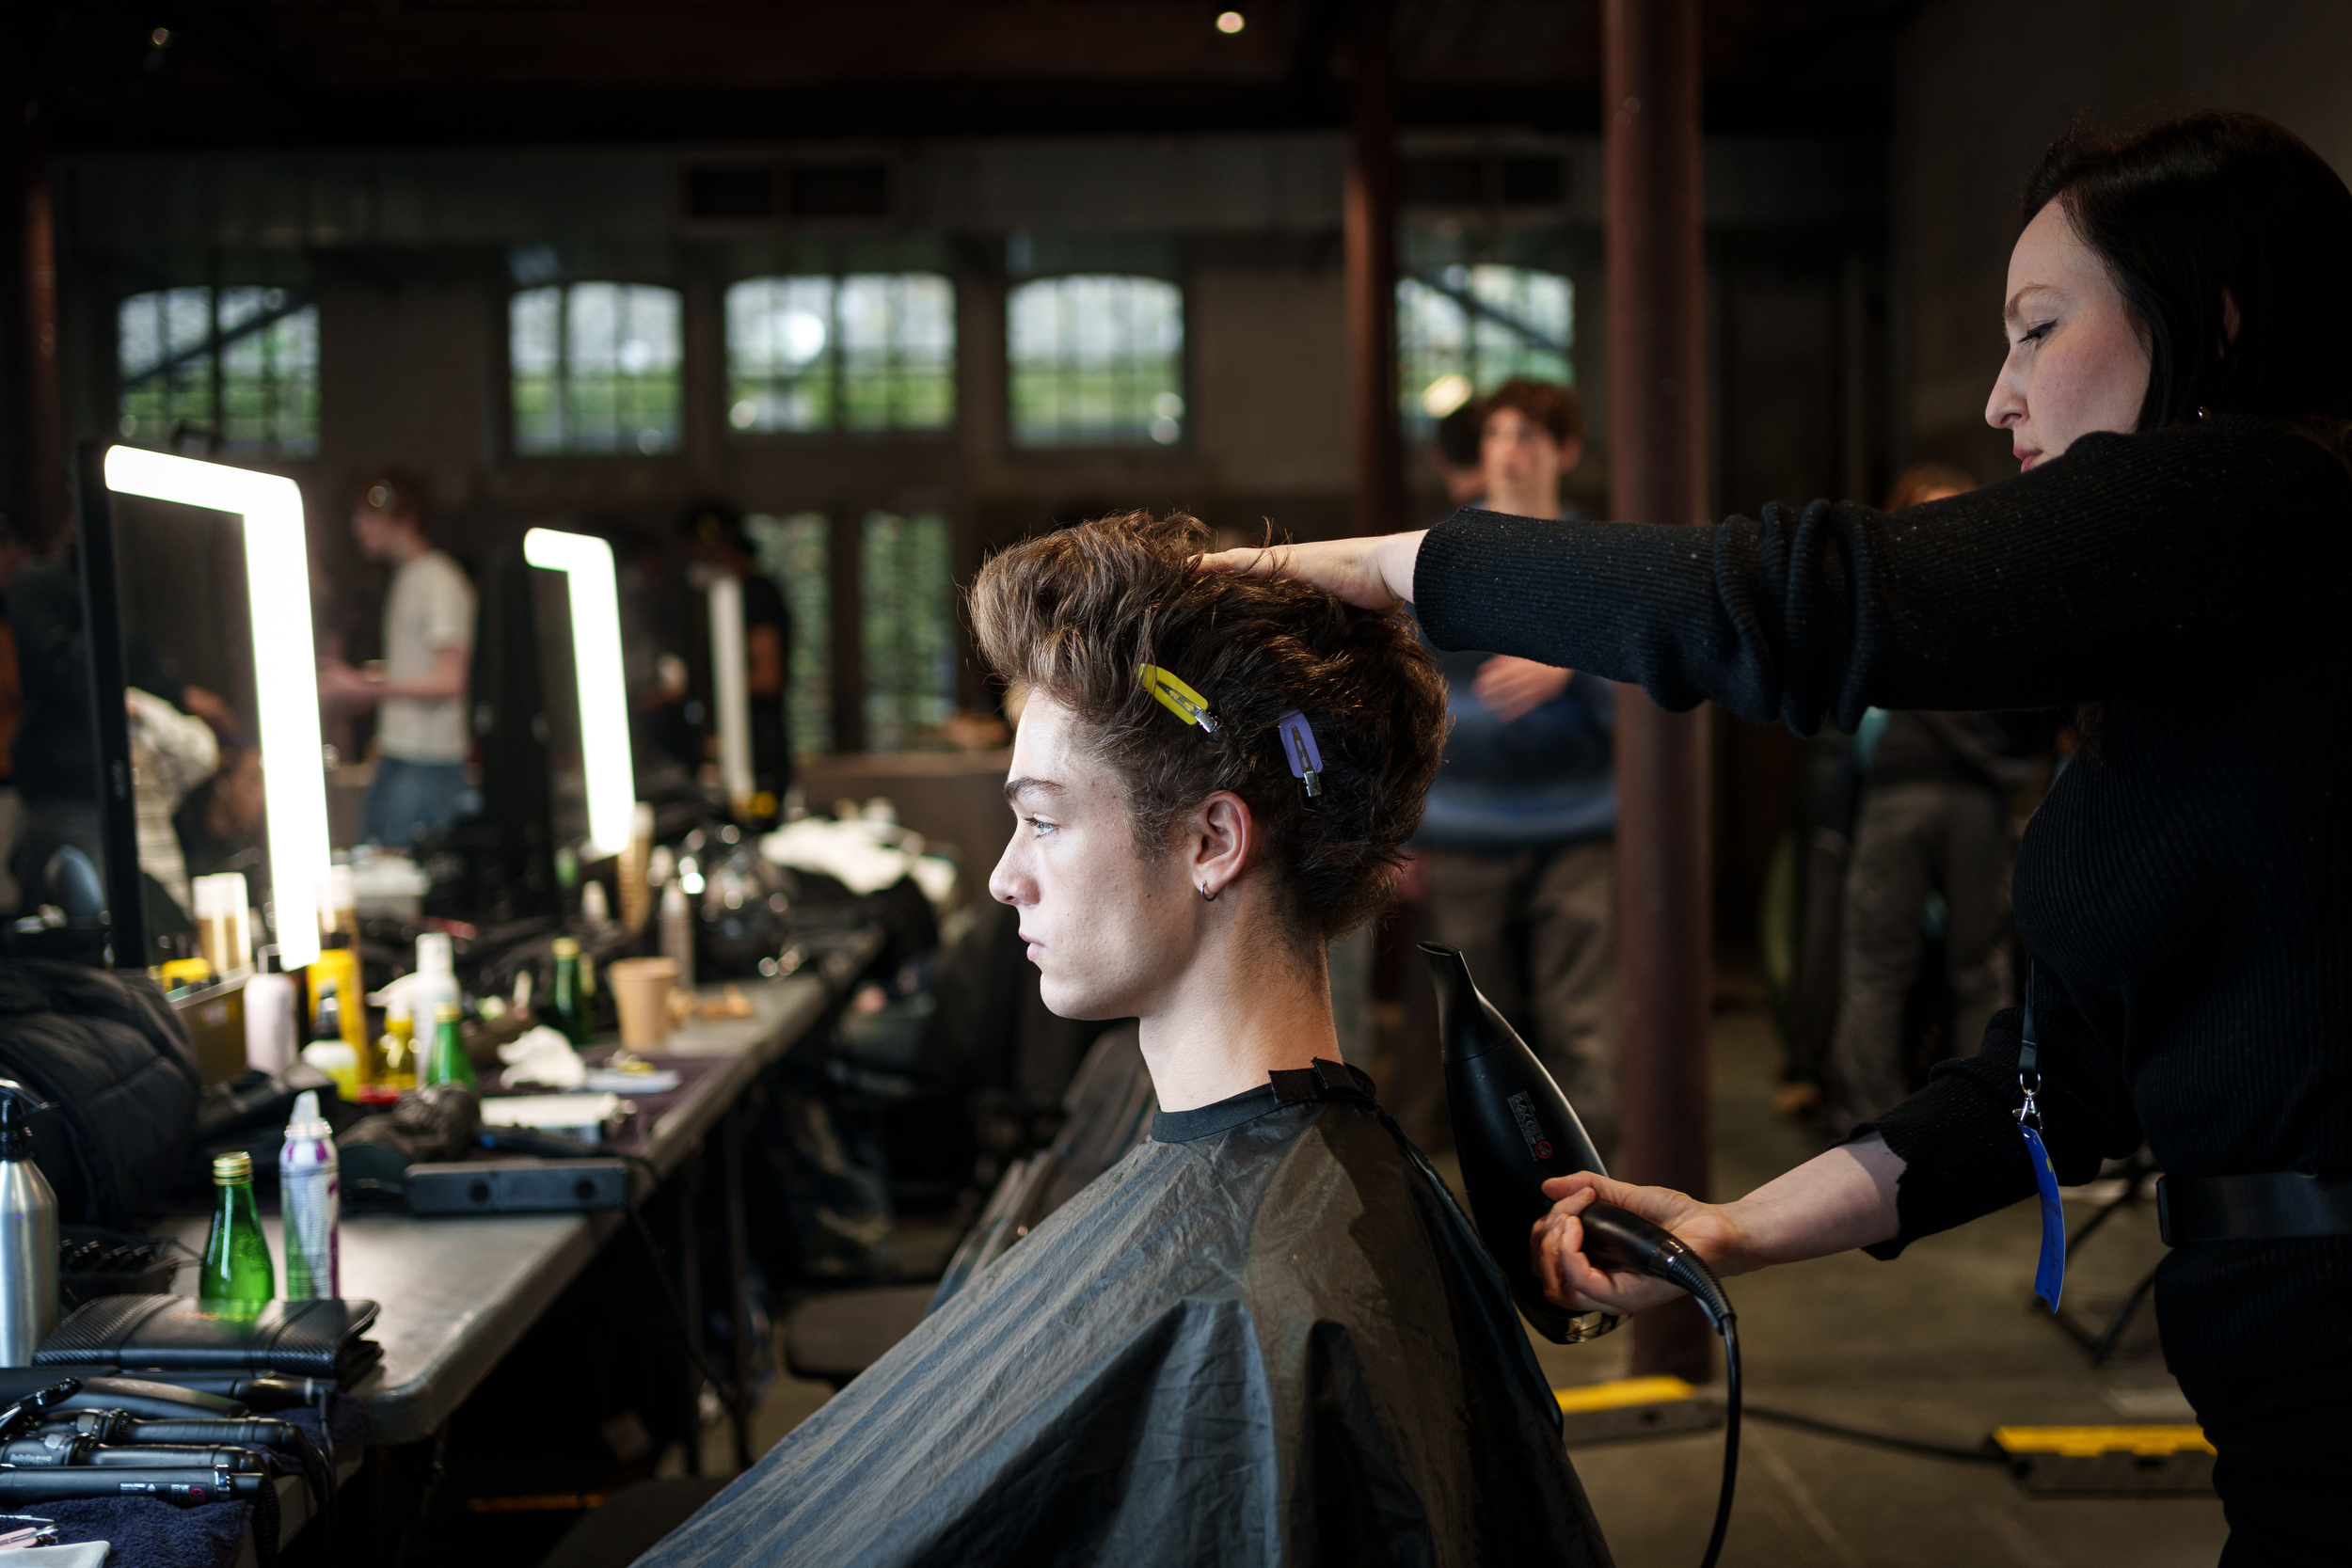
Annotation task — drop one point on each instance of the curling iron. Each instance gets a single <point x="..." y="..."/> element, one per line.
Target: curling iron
<point x="1514" y="1131"/>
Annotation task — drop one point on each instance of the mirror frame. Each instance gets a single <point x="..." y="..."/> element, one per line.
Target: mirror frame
<point x="285" y="668"/>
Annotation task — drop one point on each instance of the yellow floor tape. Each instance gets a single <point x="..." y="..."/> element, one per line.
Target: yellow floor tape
<point x="1620" y="1392"/>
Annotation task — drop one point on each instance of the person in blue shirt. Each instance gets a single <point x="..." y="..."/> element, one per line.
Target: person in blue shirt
<point x="1518" y="843"/>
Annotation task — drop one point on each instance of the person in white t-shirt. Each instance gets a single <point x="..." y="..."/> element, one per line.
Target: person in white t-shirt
<point x="421" y="734"/>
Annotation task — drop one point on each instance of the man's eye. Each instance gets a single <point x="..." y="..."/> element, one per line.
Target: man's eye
<point x="2035" y="334"/>
<point x="1038" y="827"/>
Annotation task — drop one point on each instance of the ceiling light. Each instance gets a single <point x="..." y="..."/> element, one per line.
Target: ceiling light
<point x="1230" y="22"/>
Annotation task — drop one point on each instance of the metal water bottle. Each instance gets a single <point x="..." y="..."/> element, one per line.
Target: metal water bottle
<point x="28" y="1235"/>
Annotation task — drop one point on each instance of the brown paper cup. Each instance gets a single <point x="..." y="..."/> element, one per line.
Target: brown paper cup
<point x="641" y="994"/>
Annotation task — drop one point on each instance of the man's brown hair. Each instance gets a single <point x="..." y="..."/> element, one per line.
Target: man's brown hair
<point x="1557" y="409"/>
<point x="1073" y="616"/>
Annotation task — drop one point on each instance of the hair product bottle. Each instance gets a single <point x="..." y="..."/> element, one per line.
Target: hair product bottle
<point x="310" y="1198"/>
<point x="28" y="1236"/>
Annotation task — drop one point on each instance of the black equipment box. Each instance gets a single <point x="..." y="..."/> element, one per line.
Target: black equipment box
<point x="518" y="1187"/>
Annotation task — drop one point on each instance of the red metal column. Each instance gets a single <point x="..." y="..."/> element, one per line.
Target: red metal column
<point x="41" y="487"/>
<point x="1369" y="225"/>
<point x="1651" y="107"/>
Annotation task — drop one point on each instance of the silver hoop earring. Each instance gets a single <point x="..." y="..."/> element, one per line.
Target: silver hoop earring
<point x="1207" y="896"/>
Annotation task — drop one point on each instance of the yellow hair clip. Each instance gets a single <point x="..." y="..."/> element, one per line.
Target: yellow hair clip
<point x="1178" y="698"/>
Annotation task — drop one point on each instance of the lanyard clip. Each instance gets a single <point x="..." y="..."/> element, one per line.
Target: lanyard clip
<point x="2029" y="1064"/>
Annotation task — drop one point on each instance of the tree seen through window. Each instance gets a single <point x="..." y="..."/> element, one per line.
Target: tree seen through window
<point x="596" y="368"/>
<point x="868" y="352"/>
<point x="1096" y="360"/>
<point x="1462" y="331"/>
<point x="234" y="369"/>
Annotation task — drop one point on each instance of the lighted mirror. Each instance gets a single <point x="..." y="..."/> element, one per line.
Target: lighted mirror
<point x="606" y="774"/>
<point x="730" y="693"/>
<point x="200" y="654"/>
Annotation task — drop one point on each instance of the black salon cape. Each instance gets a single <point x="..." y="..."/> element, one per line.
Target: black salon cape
<point x="1267" y="1335"/>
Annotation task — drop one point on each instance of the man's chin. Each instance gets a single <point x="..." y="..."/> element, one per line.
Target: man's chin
<point x="1074" y="1001"/>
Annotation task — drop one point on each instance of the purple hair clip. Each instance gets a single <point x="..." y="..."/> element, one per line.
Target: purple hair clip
<point x="1298" y="745"/>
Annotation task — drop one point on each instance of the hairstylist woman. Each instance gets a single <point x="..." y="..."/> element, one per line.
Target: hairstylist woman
<point x="2178" y="391"/>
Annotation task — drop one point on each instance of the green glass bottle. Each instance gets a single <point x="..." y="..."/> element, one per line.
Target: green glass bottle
<point x="567" y="995"/>
<point x="237" y="1268"/>
<point x="448" y="1063"/>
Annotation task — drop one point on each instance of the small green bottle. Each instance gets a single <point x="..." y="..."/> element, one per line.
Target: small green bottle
<point x="237" y="1268"/>
<point x="567" y="995"/>
<point x="448" y="1063"/>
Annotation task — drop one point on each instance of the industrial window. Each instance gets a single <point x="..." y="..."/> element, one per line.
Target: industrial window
<point x="1463" y="331"/>
<point x="596" y="368"/>
<point x="1096" y="361"/>
<point x="868" y="352"/>
<point x="237" y="368"/>
<point x="795" y="554"/>
<point x="908" y="585"/>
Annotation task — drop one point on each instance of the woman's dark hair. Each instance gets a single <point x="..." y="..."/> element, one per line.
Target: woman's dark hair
<point x="1073" y="615"/>
<point x="2212" y="204"/>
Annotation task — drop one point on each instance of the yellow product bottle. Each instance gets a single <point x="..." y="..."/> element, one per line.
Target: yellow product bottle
<point x="396" y="1052"/>
<point x="338" y="961"/>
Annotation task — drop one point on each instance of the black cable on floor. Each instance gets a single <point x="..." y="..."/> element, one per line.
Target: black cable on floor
<point x="1879" y="1440"/>
<point x="1731" y="1440"/>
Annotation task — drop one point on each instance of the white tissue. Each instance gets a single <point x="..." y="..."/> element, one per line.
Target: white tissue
<point x="543" y="1055"/>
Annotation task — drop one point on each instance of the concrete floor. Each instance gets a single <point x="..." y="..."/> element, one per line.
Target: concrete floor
<point x="1944" y="1344"/>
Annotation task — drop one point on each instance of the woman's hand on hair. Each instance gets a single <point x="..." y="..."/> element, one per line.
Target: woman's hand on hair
<point x="1556" y="1246"/>
<point x="1514" y="688"/>
<point x="1370" y="573"/>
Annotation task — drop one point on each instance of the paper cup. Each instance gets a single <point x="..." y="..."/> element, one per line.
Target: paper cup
<point x="641" y="994"/>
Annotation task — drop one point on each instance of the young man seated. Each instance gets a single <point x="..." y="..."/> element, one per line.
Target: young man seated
<point x="1268" y="1335"/>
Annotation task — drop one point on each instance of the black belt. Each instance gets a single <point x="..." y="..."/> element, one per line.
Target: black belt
<point x="2272" y="1206"/>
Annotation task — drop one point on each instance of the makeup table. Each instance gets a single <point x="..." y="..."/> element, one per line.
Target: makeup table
<point x="459" y="1293"/>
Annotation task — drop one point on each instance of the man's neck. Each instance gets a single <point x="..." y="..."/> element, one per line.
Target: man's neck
<point x="1530" y="501"/>
<point x="1244" y="1009"/>
<point x="403" y="551"/>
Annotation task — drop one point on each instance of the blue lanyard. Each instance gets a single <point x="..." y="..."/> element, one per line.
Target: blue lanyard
<point x="2049" y="1277"/>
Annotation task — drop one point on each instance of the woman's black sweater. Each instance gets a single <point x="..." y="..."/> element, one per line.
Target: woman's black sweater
<point x="2184" y="892"/>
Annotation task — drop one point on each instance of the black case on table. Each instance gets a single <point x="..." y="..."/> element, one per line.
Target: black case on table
<point x="179" y="1334"/>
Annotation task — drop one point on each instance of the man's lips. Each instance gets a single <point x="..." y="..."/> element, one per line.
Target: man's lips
<point x="1035" y="946"/>
<point x="2027" y="457"/>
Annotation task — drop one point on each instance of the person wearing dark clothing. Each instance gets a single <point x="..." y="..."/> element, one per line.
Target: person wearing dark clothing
<point x="714" y="540"/>
<point x="1517" y="844"/>
<point x="2178" y="393"/>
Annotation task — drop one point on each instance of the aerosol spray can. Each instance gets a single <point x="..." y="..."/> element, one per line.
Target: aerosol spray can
<point x="309" y="1195"/>
<point x="28" y="1235"/>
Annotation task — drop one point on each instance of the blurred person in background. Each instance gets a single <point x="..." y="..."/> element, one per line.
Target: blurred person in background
<point x="1455" y="453"/>
<point x="1930" y="839"/>
<point x="422" y="736"/>
<point x="712" y="535"/>
<point x="1516" y="858"/>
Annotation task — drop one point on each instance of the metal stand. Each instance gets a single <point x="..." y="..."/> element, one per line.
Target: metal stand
<point x="2136" y="1174"/>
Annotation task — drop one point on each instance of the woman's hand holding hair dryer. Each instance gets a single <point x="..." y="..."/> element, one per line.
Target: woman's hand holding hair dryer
<point x="1841" y="1199"/>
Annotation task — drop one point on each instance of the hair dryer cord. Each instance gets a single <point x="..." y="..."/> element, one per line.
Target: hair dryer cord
<point x="1620" y="1241"/>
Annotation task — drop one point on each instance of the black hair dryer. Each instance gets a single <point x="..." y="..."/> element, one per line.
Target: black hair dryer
<point x="1514" y="1131"/>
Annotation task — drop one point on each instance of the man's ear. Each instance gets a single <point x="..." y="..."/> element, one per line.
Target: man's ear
<point x="1571" y="453"/>
<point x="1223" y="828"/>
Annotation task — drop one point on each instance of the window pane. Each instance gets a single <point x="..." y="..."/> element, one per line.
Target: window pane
<point x="794" y="552"/>
<point x="237" y="367"/>
<point x="533" y="331"/>
<point x="1463" y="331"/>
<point x="909" y="630"/>
<point x="1096" y="360"/>
<point x="779" y="359"/>
<point x="872" y="351"/>
<point x="596" y="368"/>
